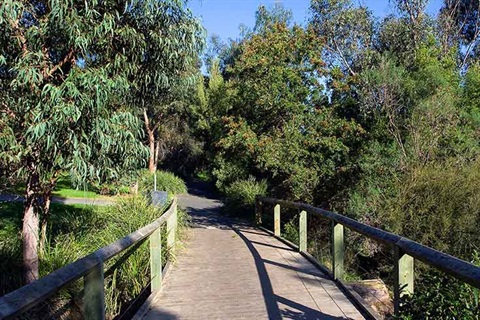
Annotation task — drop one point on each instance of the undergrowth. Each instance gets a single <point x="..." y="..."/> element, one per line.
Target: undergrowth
<point x="76" y="231"/>
<point x="240" y="196"/>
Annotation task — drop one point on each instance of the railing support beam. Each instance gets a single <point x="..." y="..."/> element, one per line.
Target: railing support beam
<point x="94" y="294"/>
<point x="276" y="220"/>
<point x="172" y="230"/>
<point x="404" y="277"/>
<point x="303" y="231"/>
<point x="338" y="251"/>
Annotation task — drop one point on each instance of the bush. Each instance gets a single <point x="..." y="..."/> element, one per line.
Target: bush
<point x="437" y="205"/>
<point x="119" y="186"/>
<point x="291" y="231"/>
<point x="76" y="231"/>
<point x="112" y="223"/>
<point x="166" y="181"/>
<point x="241" y="195"/>
<point x="438" y="296"/>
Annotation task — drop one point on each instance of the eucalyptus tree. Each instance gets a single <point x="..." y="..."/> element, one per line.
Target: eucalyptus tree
<point x="67" y="73"/>
<point x="460" y="26"/>
<point x="347" y="31"/>
<point x="171" y="40"/>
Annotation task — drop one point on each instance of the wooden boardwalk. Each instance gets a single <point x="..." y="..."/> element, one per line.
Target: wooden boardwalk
<point x="230" y="270"/>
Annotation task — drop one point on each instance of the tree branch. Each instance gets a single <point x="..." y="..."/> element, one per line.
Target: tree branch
<point x="20" y="36"/>
<point x="9" y="111"/>
<point x="342" y="57"/>
<point x="68" y="57"/>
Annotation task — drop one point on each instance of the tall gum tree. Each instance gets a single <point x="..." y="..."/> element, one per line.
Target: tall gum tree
<point x="68" y="71"/>
<point x="171" y="41"/>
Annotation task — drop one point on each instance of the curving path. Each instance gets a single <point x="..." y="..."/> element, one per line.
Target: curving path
<point x="230" y="270"/>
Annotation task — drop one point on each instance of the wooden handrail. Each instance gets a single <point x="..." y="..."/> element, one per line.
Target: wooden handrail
<point x="26" y="297"/>
<point x="405" y="249"/>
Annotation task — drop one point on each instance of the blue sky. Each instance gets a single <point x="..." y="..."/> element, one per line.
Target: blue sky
<point x="223" y="17"/>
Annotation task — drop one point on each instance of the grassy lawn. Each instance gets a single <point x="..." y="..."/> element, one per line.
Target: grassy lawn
<point x="64" y="189"/>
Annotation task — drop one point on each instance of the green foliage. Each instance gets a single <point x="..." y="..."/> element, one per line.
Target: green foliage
<point x="76" y="231"/>
<point x="66" y="109"/>
<point x="166" y="181"/>
<point x="291" y="231"/>
<point x="166" y="72"/>
<point x="227" y="172"/>
<point x="438" y="296"/>
<point x="347" y="31"/>
<point x="377" y="183"/>
<point x="277" y="117"/>
<point x="240" y="195"/>
<point x="438" y="205"/>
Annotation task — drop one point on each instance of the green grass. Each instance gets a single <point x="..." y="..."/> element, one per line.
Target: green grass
<point x="74" y="193"/>
<point x="65" y="189"/>
<point x="65" y="218"/>
<point x="75" y="231"/>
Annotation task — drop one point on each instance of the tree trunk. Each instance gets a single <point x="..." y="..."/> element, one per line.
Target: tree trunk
<point x="47" y="198"/>
<point x="30" y="231"/>
<point x="151" y="160"/>
<point x="151" y="143"/>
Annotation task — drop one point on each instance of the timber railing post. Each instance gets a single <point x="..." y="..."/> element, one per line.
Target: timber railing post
<point x="172" y="228"/>
<point x="303" y="231"/>
<point x="337" y="251"/>
<point x="404" y="277"/>
<point x="94" y="294"/>
<point x="276" y="220"/>
<point x="156" y="259"/>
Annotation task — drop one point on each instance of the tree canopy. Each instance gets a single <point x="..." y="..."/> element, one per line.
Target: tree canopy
<point x="71" y="75"/>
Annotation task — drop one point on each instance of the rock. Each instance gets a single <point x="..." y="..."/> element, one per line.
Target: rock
<point x="376" y="295"/>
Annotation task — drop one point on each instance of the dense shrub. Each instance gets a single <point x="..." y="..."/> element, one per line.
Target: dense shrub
<point x="113" y="188"/>
<point x="166" y="181"/>
<point x="240" y="195"/>
<point x="104" y="226"/>
<point x="291" y="231"/>
<point x="438" y="205"/>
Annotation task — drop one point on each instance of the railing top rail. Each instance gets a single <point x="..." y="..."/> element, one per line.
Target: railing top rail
<point x="24" y="298"/>
<point x="453" y="266"/>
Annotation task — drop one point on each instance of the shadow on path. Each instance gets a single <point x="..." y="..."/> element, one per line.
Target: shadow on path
<point x="303" y="312"/>
<point x="207" y="215"/>
<point x="267" y="289"/>
<point x="272" y="300"/>
<point x="202" y="189"/>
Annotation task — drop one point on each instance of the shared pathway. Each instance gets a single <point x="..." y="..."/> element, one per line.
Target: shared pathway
<point x="230" y="270"/>
<point x="85" y="201"/>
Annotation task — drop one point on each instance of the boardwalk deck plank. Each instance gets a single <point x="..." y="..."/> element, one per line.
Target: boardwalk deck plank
<point x="230" y="270"/>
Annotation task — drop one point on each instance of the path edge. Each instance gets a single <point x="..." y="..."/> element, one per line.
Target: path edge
<point x="143" y="310"/>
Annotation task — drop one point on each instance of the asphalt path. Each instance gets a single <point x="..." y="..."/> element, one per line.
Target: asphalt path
<point x="86" y="201"/>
